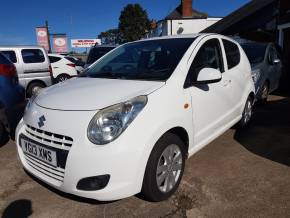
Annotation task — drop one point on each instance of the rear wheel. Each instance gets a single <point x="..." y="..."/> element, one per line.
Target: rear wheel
<point x="164" y="169"/>
<point x="34" y="88"/>
<point x="247" y="113"/>
<point x="62" y="78"/>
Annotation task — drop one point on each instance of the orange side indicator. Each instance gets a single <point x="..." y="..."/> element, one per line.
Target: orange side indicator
<point x="186" y="106"/>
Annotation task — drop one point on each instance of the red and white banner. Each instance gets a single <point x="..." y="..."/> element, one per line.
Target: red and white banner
<point x="42" y="37"/>
<point x="84" y="43"/>
<point x="60" y="44"/>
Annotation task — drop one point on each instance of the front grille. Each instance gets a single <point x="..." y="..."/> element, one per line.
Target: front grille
<point x="47" y="170"/>
<point x="48" y="138"/>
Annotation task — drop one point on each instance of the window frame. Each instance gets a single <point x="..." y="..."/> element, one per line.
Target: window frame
<point x="187" y="83"/>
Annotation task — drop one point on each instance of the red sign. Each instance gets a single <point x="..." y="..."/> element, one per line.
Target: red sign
<point x="60" y="44"/>
<point x="42" y="37"/>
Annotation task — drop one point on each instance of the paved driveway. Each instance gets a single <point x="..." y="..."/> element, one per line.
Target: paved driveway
<point x="240" y="174"/>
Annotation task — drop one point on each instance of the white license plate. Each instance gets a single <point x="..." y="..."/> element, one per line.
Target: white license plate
<point x="41" y="153"/>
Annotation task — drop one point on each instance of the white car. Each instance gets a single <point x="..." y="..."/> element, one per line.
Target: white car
<point x="128" y="124"/>
<point x="79" y="63"/>
<point x="62" y="68"/>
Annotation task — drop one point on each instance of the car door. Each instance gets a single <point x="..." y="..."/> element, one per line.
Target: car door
<point x="55" y="64"/>
<point x="275" y="68"/>
<point x="35" y="64"/>
<point x="235" y="76"/>
<point x="210" y="102"/>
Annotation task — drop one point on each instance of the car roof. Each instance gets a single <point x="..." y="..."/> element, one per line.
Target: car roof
<point x="21" y="46"/>
<point x="56" y="55"/>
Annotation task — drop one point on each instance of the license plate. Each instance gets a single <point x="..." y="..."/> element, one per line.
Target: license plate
<point x="39" y="152"/>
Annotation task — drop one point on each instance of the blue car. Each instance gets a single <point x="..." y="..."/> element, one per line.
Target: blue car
<point x="12" y="99"/>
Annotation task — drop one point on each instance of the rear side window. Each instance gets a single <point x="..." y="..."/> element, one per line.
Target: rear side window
<point x="53" y="59"/>
<point x="10" y="55"/>
<point x="32" y="56"/>
<point x="3" y="59"/>
<point x="232" y="53"/>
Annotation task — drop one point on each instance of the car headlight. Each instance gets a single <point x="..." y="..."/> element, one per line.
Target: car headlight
<point x="256" y="75"/>
<point x="110" y="122"/>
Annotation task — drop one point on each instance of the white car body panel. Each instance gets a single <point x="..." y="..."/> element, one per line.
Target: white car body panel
<point x="61" y="66"/>
<point x="210" y="113"/>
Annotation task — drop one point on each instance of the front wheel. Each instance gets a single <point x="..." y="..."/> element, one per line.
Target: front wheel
<point x="33" y="88"/>
<point x="265" y="93"/>
<point x="164" y="169"/>
<point x="4" y="136"/>
<point x="247" y="113"/>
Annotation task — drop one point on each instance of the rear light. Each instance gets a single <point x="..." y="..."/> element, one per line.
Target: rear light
<point x="8" y="70"/>
<point x="50" y="70"/>
<point x="71" y="65"/>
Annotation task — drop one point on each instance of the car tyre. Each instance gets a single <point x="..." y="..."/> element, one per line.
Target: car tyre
<point x="33" y="88"/>
<point x="247" y="113"/>
<point x="62" y="78"/>
<point x="265" y="93"/>
<point x="4" y="136"/>
<point x="164" y="169"/>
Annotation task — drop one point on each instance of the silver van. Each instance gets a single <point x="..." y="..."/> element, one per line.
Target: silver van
<point x="32" y="64"/>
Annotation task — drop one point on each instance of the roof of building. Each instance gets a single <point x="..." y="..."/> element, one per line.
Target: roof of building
<point x="176" y="14"/>
<point x="238" y="15"/>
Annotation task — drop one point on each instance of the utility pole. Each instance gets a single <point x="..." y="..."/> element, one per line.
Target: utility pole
<point x="48" y="36"/>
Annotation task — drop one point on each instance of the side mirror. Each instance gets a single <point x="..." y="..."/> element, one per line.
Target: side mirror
<point x="209" y="75"/>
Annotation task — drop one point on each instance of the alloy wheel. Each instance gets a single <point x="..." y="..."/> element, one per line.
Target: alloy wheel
<point x="169" y="168"/>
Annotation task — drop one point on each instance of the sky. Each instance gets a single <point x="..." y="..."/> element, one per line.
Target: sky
<point x="86" y="18"/>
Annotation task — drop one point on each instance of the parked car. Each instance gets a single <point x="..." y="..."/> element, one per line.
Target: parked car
<point x="266" y="67"/>
<point x="79" y="63"/>
<point x="12" y="99"/>
<point x="97" y="52"/>
<point x="62" y="68"/>
<point x="32" y="66"/>
<point x="119" y="129"/>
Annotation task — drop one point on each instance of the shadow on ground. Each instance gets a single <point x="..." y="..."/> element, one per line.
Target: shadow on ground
<point x="18" y="209"/>
<point x="269" y="133"/>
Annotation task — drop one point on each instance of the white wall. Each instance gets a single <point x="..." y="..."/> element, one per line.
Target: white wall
<point x="189" y="25"/>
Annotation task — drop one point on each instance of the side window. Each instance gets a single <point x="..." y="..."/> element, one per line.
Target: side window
<point x="232" y="53"/>
<point x="53" y="59"/>
<point x="10" y="55"/>
<point x="32" y="56"/>
<point x="208" y="56"/>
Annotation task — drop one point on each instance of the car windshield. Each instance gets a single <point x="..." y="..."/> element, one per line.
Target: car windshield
<point x="255" y="52"/>
<point x="144" y="60"/>
<point x="97" y="52"/>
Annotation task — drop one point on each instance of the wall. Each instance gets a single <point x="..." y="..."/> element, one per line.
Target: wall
<point x="189" y="26"/>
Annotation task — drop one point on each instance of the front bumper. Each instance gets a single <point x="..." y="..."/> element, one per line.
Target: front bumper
<point x="124" y="159"/>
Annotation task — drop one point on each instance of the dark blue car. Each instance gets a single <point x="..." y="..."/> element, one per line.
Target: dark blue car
<point x="12" y="99"/>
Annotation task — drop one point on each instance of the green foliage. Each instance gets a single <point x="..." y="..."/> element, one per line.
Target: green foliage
<point x="111" y="36"/>
<point x="133" y="23"/>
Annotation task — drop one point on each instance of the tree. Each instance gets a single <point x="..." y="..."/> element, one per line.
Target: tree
<point x="111" y="36"/>
<point x="133" y="23"/>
